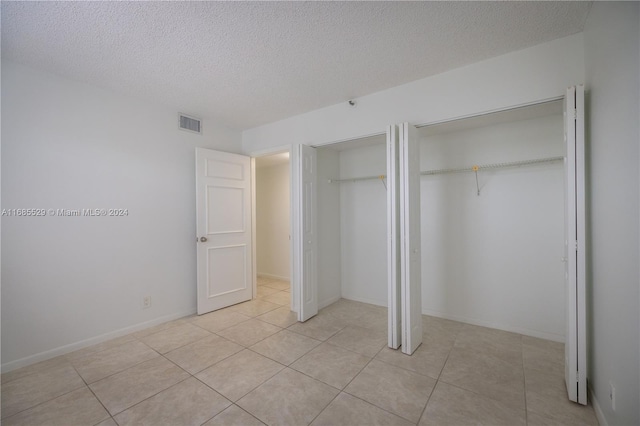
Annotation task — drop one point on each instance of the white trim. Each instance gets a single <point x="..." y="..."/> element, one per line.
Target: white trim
<point x="394" y="323"/>
<point x="524" y="331"/>
<point x="305" y="240"/>
<point x="492" y="111"/>
<point x="328" y="302"/>
<point x="254" y="232"/>
<point x="365" y="300"/>
<point x="63" y="350"/>
<point x="596" y="407"/>
<point x="294" y="270"/>
<point x="355" y="138"/>
<point x="270" y="151"/>
<point x="277" y="277"/>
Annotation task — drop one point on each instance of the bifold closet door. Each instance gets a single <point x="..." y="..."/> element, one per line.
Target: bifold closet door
<point x="410" y="257"/>
<point x="305" y="235"/>
<point x="393" y="238"/>
<point x="575" y="258"/>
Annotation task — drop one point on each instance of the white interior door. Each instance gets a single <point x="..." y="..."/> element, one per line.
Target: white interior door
<point x="411" y="282"/>
<point x="305" y="221"/>
<point x="393" y="239"/>
<point x="224" y="229"/>
<point x="575" y="259"/>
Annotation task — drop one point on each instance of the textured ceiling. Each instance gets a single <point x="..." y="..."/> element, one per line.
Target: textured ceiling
<point x="250" y="63"/>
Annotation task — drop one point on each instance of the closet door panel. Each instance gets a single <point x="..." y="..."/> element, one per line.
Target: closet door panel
<point x="306" y="238"/>
<point x="411" y="282"/>
<point x="393" y="238"/>
<point x="575" y="258"/>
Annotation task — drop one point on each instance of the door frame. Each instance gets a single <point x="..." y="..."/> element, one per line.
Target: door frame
<point x="294" y="286"/>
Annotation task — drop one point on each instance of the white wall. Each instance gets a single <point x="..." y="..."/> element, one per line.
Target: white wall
<point x="612" y="39"/>
<point x="272" y="221"/>
<point x="533" y="74"/>
<point x="363" y="225"/>
<point x="494" y="259"/>
<point x="329" y="251"/>
<point x="73" y="281"/>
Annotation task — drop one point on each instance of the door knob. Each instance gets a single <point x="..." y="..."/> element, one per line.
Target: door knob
<point x="203" y="239"/>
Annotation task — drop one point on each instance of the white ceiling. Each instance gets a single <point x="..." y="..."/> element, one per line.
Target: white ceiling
<point x="250" y="63"/>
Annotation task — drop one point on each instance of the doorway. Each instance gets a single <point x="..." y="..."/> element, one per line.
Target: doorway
<point x="273" y="229"/>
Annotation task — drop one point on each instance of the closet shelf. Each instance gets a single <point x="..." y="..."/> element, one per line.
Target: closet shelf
<point x="474" y="168"/>
<point x="477" y="168"/>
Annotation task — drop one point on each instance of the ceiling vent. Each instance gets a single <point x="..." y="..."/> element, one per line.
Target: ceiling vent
<point x="190" y="124"/>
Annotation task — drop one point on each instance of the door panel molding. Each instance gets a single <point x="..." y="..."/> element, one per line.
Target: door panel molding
<point x="393" y="240"/>
<point x="575" y="247"/>
<point x="410" y="239"/>
<point x="304" y="166"/>
<point x="222" y="222"/>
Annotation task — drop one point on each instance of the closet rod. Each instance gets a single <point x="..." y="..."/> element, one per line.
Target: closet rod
<point x="381" y="177"/>
<point x="493" y="166"/>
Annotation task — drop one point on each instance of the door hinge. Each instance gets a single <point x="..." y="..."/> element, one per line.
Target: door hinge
<point x="575" y="114"/>
<point x="576" y="246"/>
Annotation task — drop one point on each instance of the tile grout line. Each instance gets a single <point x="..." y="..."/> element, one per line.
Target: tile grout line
<point x="93" y="393"/>
<point x="476" y="392"/>
<point x="105" y="408"/>
<point x="151" y="396"/>
<point x="121" y="371"/>
<point x="251" y="390"/>
<point x="233" y="404"/>
<point x="284" y="367"/>
<point x="424" y="409"/>
<point x="370" y="403"/>
<point x="144" y="400"/>
<point x="524" y="382"/>
<point x="319" y="381"/>
<point x="43" y="402"/>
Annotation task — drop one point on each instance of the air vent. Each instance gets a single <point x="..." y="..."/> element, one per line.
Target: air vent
<point x="190" y="124"/>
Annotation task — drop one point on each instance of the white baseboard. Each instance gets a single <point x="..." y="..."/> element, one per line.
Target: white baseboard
<point x="525" y="331"/>
<point x="63" y="350"/>
<point x="365" y="300"/>
<point x="328" y="302"/>
<point x="596" y="407"/>
<point x="273" y="276"/>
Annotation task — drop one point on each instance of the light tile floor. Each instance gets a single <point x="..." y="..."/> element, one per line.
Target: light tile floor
<point x="253" y="364"/>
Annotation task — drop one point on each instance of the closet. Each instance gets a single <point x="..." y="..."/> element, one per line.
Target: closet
<point x="493" y="220"/>
<point x="488" y="225"/>
<point x="492" y="239"/>
<point x="352" y="221"/>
